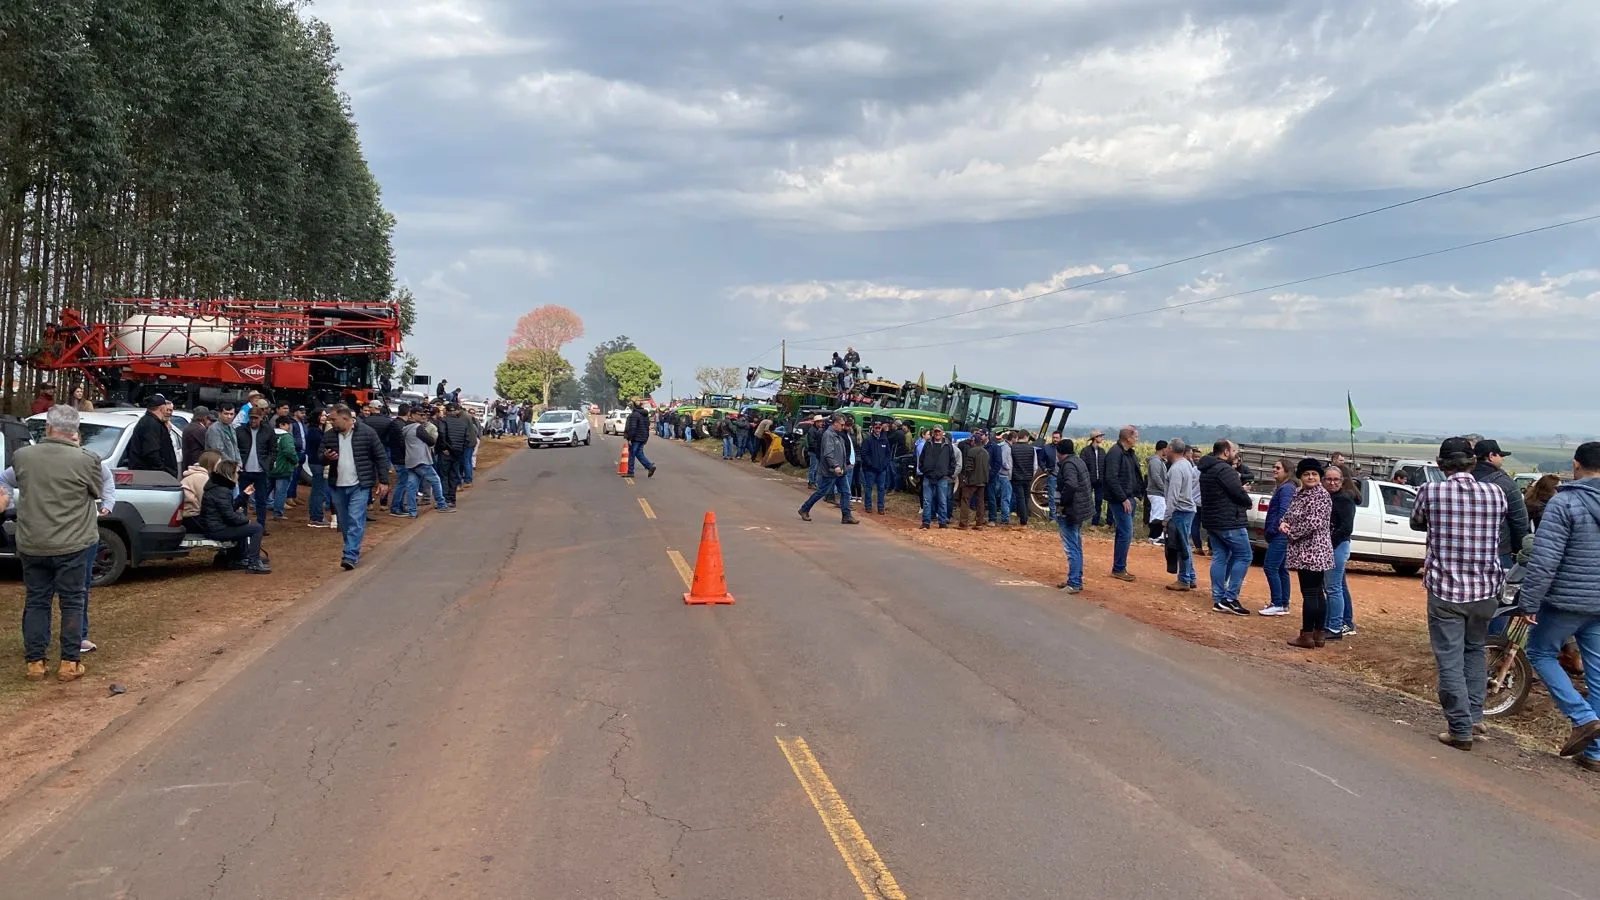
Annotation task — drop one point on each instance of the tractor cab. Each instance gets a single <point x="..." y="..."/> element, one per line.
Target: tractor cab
<point x="971" y="406"/>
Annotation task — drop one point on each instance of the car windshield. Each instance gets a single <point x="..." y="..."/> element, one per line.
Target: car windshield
<point x="101" y="439"/>
<point x="553" y="417"/>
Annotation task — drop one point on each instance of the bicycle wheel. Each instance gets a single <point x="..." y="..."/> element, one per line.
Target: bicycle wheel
<point x="1510" y="679"/>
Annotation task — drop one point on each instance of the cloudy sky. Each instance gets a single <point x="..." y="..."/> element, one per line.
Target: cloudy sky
<point x="712" y="176"/>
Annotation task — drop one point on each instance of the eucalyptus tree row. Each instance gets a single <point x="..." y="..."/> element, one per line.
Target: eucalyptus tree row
<point x="175" y="148"/>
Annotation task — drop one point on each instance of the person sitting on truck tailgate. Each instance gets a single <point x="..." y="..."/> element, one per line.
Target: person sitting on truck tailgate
<point x="1461" y="571"/>
<point x="1223" y="504"/>
<point x="59" y="489"/>
<point x="194" y="489"/>
<point x="150" y="447"/>
<point x="1562" y="585"/>
<point x="221" y="519"/>
<point x="1491" y="470"/>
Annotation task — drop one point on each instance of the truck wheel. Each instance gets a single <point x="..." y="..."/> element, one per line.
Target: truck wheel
<point x="1406" y="569"/>
<point x="111" y="560"/>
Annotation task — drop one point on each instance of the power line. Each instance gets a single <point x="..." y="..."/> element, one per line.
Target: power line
<point x="760" y="355"/>
<point x="1209" y="253"/>
<point x="1272" y="287"/>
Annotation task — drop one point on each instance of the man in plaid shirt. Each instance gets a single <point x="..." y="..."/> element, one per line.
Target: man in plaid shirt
<point x="1463" y="576"/>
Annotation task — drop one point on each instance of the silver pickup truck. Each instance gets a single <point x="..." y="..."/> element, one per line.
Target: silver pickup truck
<point x="145" y="525"/>
<point x="1383" y="532"/>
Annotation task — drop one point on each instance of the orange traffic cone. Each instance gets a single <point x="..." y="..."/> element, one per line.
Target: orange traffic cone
<point x="710" y="587"/>
<point x="622" y="461"/>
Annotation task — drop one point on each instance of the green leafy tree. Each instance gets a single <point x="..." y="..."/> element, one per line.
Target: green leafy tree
<point x="530" y="375"/>
<point x="565" y="393"/>
<point x="596" y="383"/>
<point x="636" y="375"/>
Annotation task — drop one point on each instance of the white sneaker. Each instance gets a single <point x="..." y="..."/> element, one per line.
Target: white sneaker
<point x="1271" y="610"/>
<point x="87" y="646"/>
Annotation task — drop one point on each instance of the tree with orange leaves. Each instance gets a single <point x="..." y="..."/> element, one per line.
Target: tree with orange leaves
<point x="536" y="341"/>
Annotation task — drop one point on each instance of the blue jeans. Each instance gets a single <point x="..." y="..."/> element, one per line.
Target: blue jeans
<point x="727" y="447"/>
<point x="1178" y="525"/>
<point x="1544" y="645"/>
<point x="998" y="496"/>
<point x="1099" y="503"/>
<point x="319" y="493"/>
<point x="871" y="481"/>
<point x="60" y="578"/>
<point x="1122" y="519"/>
<point x="811" y="468"/>
<point x="1072" y="544"/>
<point x="88" y="583"/>
<point x="397" y="500"/>
<point x="425" y="477"/>
<point x="827" y="486"/>
<point x="1277" y="568"/>
<point x="350" y="505"/>
<point x="636" y="454"/>
<point x="936" y="500"/>
<point x="1229" y="564"/>
<point x="1335" y="590"/>
<point x="466" y="465"/>
<point x="280" y="493"/>
<point x="1050" y="492"/>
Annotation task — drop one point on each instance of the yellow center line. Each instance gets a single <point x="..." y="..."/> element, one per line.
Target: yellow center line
<point x="872" y="876"/>
<point x="628" y="479"/>
<point x="645" y="505"/>
<point x="684" y="572"/>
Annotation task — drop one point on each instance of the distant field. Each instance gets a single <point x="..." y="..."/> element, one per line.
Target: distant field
<point x="1524" y="457"/>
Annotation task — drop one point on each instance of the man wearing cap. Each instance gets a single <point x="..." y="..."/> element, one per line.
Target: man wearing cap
<point x="1491" y="470"/>
<point x="834" y="473"/>
<point x="1461" y="571"/>
<point x="150" y="448"/>
<point x="813" y="436"/>
<point x="1094" y="458"/>
<point x="194" y="436"/>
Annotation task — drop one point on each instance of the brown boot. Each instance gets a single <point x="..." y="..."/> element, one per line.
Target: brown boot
<point x="1305" y="641"/>
<point x="71" y="670"/>
<point x="1319" y="637"/>
<point x="36" y="670"/>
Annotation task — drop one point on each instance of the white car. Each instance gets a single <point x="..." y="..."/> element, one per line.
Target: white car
<point x="559" y="426"/>
<point x="615" y="421"/>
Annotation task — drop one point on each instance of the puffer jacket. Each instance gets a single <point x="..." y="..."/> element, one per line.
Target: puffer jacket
<point x="1223" y="499"/>
<point x="637" y="428"/>
<point x="1563" y="571"/>
<point x="218" y="508"/>
<point x="1310" y="520"/>
<point x="1121" y="481"/>
<point x="1075" y="487"/>
<point x="1022" y="457"/>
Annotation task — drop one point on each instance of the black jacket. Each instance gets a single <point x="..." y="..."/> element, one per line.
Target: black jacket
<point x="937" y="460"/>
<point x="266" y="437"/>
<point x="1022" y="458"/>
<point x="372" y="461"/>
<point x="637" y="428"/>
<point x="194" y="442"/>
<point x="1094" y="459"/>
<point x="452" y="436"/>
<point x="1514" y="527"/>
<point x="1343" y="518"/>
<point x="974" y="464"/>
<point x="1122" y="474"/>
<point x="218" y="508"/>
<point x="385" y="428"/>
<point x="1223" y="500"/>
<point x="150" y="447"/>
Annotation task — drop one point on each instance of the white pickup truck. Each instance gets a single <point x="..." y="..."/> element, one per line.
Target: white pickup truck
<point x="1383" y="532"/>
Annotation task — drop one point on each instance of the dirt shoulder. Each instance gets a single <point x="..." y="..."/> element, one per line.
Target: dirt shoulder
<point x="165" y="624"/>
<point x="1390" y="648"/>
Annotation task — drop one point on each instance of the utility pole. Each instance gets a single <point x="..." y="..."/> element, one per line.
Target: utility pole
<point x="783" y="354"/>
<point x="672" y="391"/>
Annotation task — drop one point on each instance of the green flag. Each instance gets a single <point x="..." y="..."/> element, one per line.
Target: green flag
<point x="1355" y="420"/>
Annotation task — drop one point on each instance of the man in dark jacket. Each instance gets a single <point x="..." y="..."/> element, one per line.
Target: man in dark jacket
<point x="258" y="444"/>
<point x="975" y="471"/>
<point x="1514" y="529"/>
<point x="1223" y="506"/>
<point x="194" y="437"/>
<point x="937" y="463"/>
<point x="1094" y="460"/>
<point x="150" y="446"/>
<point x="1074" y="505"/>
<point x="450" y="451"/>
<point x="636" y="431"/>
<point x="357" y="464"/>
<point x="877" y="465"/>
<point x="834" y="470"/>
<point x="1120" y="487"/>
<point x="1022" y="460"/>
<point x="1562" y="585"/>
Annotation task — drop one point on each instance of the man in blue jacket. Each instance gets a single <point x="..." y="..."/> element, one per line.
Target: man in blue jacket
<point x="877" y="465"/>
<point x="1562" y="584"/>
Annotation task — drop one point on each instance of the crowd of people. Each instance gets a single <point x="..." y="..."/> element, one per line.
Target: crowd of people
<point x="253" y="457"/>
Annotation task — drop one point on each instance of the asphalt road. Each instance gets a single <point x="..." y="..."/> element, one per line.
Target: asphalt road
<point x="518" y="704"/>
